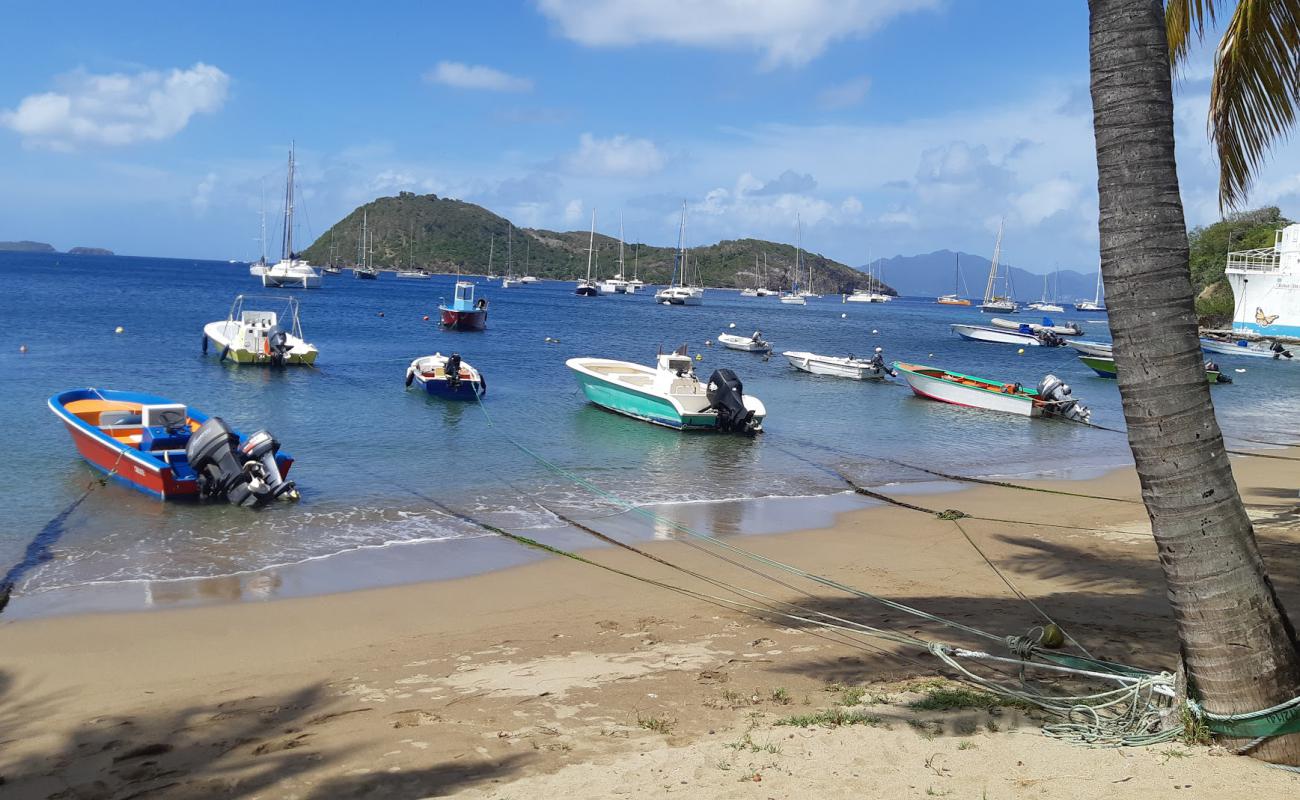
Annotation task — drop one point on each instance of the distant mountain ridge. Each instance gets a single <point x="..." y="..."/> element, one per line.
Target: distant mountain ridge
<point x="446" y="235"/>
<point x="41" y="247"/>
<point x="933" y="274"/>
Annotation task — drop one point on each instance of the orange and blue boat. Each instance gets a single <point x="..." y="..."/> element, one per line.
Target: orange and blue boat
<point x="168" y="450"/>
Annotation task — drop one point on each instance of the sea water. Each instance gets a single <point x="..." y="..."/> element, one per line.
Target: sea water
<point x="380" y="466"/>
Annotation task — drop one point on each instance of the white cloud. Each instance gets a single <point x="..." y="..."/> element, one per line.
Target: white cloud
<point x="203" y="193"/>
<point x="615" y="157"/>
<point x="573" y="211"/>
<point x="474" y="76"/>
<point x="844" y="95"/>
<point x="117" y="109"/>
<point x="789" y="32"/>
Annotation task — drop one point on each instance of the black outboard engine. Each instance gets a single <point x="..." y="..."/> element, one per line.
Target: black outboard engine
<point x="1053" y="390"/>
<point x="727" y="396"/>
<point x="277" y="341"/>
<point x="1210" y="366"/>
<point x="878" y="364"/>
<point x="1049" y="338"/>
<point x="244" y="476"/>
<point x="452" y="371"/>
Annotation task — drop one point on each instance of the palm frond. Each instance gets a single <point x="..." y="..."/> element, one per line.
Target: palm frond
<point x="1181" y="18"/>
<point x="1255" y="90"/>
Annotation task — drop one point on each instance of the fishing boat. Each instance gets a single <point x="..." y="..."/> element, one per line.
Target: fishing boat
<point x="260" y="336"/>
<point x="1068" y="329"/>
<point x="465" y="313"/>
<point x="998" y="300"/>
<point x="955" y="299"/>
<point x="1089" y="348"/>
<point x="861" y="369"/>
<point x="670" y="394"/>
<point x="1243" y="347"/>
<point x="750" y="344"/>
<point x="290" y="271"/>
<point x="365" y="273"/>
<point x="449" y="377"/>
<point x="171" y="451"/>
<point x="1051" y="398"/>
<point x="1105" y="368"/>
<point x="1095" y="304"/>
<point x="981" y="333"/>
<point x="588" y="287"/>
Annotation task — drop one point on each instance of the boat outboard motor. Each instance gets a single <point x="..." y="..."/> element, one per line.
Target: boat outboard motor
<point x="225" y="470"/>
<point x="1053" y="390"/>
<point x="1049" y="339"/>
<point x="1210" y="366"/>
<point x="727" y="396"/>
<point x="259" y="450"/>
<point x="878" y="364"/>
<point x="452" y="371"/>
<point x="277" y="341"/>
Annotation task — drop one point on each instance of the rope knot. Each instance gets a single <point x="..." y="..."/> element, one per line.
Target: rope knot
<point x="1021" y="647"/>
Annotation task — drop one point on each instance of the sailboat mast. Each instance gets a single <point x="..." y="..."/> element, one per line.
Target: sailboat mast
<point x="286" y="249"/>
<point x="798" y="247"/>
<point x="591" y="244"/>
<point x="492" y="241"/>
<point x="678" y="266"/>
<point x="993" y="267"/>
<point x="620" y="246"/>
<point x="510" y="251"/>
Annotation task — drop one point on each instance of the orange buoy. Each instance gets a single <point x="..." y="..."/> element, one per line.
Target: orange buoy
<point x="426" y="317"/>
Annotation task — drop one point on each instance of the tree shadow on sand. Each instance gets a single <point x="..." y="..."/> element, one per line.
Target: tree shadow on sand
<point x="235" y="748"/>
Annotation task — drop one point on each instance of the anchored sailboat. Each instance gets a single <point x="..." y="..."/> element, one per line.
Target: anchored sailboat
<point x="290" y="271"/>
<point x="993" y="301"/>
<point x="588" y="287"/>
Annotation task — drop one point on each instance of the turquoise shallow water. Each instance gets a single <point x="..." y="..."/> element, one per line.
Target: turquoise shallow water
<point x="371" y="454"/>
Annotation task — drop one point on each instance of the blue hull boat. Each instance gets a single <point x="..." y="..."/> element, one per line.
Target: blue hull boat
<point x="448" y="377"/>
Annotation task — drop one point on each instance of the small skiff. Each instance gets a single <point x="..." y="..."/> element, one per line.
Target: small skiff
<point x="670" y="394"/>
<point x="170" y="451"/>
<point x="1105" y="368"/>
<point x="1051" y="398"/>
<point x="448" y="377"/>
<point x="861" y="369"/>
<point x="1069" y="329"/>
<point x="750" y="344"/>
<point x="1243" y="347"/>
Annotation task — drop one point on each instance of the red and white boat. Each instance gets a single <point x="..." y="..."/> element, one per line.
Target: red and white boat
<point x="170" y="451"/>
<point x="1051" y="398"/>
<point x="465" y="313"/>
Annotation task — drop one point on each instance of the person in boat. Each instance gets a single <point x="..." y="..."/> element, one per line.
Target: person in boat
<point x="481" y="304"/>
<point x="878" y="363"/>
<point x="757" y="338"/>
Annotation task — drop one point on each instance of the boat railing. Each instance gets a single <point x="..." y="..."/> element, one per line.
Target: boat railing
<point x="1262" y="259"/>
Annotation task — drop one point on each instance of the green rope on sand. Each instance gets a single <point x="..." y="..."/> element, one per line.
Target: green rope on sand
<point x="1277" y="720"/>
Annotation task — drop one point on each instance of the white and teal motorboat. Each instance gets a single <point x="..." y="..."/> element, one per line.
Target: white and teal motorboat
<point x="670" y="394"/>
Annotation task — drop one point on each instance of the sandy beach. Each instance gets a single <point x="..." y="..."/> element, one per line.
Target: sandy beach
<point x="557" y="677"/>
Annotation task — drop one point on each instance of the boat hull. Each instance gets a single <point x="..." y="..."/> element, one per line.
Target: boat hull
<point x="647" y="406"/>
<point x="1103" y="349"/>
<point x="466" y="389"/>
<point x="979" y="333"/>
<point x="1105" y="368"/>
<point x="816" y="365"/>
<point x="743" y="343"/>
<point x="948" y="301"/>
<point x="219" y="334"/>
<point x="463" y="320"/>
<point x="1241" y="347"/>
<point x="937" y="388"/>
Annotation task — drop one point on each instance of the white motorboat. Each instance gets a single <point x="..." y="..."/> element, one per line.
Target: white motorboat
<point x="749" y="293"/>
<point x="750" y="344"/>
<point x="861" y="369"/>
<point x="1088" y="348"/>
<point x="414" y="274"/>
<point x="1068" y="329"/>
<point x="529" y="280"/>
<point x="670" y="394"/>
<point x="290" y="271"/>
<point x="794" y="299"/>
<point x="980" y="333"/>
<point x="260" y="336"/>
<point x="1245" y="347"/>
<point x="257" y="269"/>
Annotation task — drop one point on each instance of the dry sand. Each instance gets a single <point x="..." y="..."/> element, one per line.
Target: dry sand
<point x="559" y="679"/>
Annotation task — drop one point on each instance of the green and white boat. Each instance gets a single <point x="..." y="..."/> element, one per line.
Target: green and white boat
<point x="1105" y="368"/>
<point x="670" y="394"/>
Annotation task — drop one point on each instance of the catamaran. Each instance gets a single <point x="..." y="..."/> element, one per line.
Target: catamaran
<point x="995" y="302"/>
<point x="1096" y="303"/>
<point x="958" y="284"/>
<point x="290" y="271"/>
<point x="675" y="294"/>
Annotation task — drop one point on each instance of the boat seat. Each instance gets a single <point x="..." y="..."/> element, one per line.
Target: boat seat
<point x="119" y="418"/>
<point x="126" y="426"/>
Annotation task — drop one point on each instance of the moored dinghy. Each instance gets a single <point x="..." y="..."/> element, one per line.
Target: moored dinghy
<point x="1051" y="398"/>
<point x="259" y="336"/>
<point x="670" y="394"/>
<point x="751" y="344"/>
<point x="171" y="451"/>
<point x="1025" y="338"/>
<point x="1243" y="347"/>
<point x="1089" y="348"/>
<point x="861" y="369"/>
<point x="1068" y="329"/>
<point x="448" y="377"/>
<point x="1104" y="366"/>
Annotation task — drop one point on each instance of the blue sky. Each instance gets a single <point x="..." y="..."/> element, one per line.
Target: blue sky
<point x="888" y="126"/>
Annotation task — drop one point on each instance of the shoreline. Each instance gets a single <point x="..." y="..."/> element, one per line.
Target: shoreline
<point x="557" y="676"/>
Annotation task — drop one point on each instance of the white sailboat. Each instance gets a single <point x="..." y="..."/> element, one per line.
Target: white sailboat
<point x="1096" y="304"/>
<point x="290" y="271"/>
<point x="675" y="294"/>
<point x="617" y="284"/>
<point x="636" y="284"/>
<point x="763" y="290"/>
<point x="509" y="279"/>
<point x="588" y="287"/>
<point x="364" y="269"/>
<point x="795" y="297"/>
<point x="258" y="268"/>
<point x="993" y="301"/>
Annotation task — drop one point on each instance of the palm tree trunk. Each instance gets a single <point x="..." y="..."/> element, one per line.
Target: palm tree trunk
<point x="1238" y="645"/>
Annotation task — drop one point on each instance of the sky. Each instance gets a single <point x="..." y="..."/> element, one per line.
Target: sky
<point x="886" y="127"/>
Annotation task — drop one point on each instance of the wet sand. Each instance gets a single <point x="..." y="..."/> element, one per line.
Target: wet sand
<point x="557" y="677"/>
